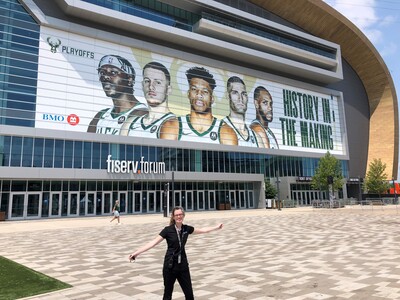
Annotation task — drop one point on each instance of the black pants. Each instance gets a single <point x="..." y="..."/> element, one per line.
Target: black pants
<point x="182" y="274"/>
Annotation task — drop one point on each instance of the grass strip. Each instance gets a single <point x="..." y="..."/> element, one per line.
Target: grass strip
<point x="18" y="281"/>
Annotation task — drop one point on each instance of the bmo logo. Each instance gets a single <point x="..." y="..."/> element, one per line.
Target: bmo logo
<point x="73" y="119"/>
<point x="54" y="118"/>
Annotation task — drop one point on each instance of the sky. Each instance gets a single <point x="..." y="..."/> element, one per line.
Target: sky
<point x="379" y="20"/>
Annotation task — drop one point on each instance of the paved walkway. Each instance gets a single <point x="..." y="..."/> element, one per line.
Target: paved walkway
<point x="296" y="253"/>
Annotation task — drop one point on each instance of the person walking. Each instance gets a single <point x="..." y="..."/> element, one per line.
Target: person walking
<point x="176" y="266"/>
<point x="115" y="211"/>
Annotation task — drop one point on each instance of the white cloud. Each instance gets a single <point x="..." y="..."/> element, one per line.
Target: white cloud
<point x="389" y="49"/>
<point x="360" y="12"/>
<point x="374" y="35"/>
<point x="363" y="15"/>
<point x="387" y="21"/>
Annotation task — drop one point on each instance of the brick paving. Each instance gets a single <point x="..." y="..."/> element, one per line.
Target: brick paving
<point x="296" y="253"/>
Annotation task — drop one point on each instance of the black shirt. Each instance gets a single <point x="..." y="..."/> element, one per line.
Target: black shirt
<point x="169" y="233"/>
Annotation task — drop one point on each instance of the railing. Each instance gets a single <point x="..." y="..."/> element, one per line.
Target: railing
<point x="288" y="203"/>
<point x="327" y="204"/>
<point x="373" y="202"/>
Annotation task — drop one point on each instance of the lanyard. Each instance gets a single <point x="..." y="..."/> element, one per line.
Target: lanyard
<point x="180" y="244"/>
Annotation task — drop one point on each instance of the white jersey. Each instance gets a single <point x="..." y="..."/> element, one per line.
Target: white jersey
<point x="111" y="122"/>
<point x="139" y="129"/>
<point x="250" y="141"/>
<point x="189" y="134"/>
<point x="273" y="142"/>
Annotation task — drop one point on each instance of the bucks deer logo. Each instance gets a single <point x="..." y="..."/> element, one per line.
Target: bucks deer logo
<point x="54" y="44"/>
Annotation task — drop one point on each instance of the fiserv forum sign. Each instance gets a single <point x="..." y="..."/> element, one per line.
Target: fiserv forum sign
<point x="301" y="120"/>
<point x="135" y="167"/>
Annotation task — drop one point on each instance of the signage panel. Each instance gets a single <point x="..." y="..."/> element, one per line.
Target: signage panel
<point x="90" y="85"/>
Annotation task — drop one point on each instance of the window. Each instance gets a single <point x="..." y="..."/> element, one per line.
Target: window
<point x="16" y="149"/>
<point x="68" y="154"/>
<point x="48" y="153"/>
<point x="78" y="154"/>
<point x="27" y="152"/>
<point x="38" y="152"/>
<point x="59" y="154"/>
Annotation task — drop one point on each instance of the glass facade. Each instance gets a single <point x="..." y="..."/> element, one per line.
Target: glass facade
<point x="19" y="44"/>
<point x="152" y="10"/>
<point x="32" y="152"/>
<point x="78" y="198"/>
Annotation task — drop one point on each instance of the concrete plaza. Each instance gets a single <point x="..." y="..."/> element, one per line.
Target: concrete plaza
<point x="296" y="253"/>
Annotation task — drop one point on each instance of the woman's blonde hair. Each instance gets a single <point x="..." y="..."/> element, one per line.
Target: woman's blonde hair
<point x="172" y="220"/>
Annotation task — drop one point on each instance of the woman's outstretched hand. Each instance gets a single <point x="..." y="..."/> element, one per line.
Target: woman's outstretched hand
<point x="132" y="258"/>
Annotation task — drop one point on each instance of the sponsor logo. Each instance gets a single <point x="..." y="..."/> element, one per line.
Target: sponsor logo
<point x="54" y="118"/>
<point x="213" y="136"/>
<point x="54" y="43"/>
<point x="153" y="129"/>
<point x="121" y="119"/>
<point x="77" y="52"/>
<point x="73" y="120"/>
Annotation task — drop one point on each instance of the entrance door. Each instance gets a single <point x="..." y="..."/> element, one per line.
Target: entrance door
<point x="232" y="199"/>
<point x="64" y="204"/>
<point x="25" y="205"/>
<point x="250" y="200"/>
<point x="211" y="200"/>
<point x="177" y="199"/>
<point x="34" y="205"/>
<point x="200" y="200"/>
<point x="55" y="205"/>
<point x="242" y="199"/>
<point x="107" y="204"/>
<point x="151" y="203"/>
<point x="91" y="203"/>
<point x="99" y="203"/>
<point x="123" y="201"/>
<point x="137" y="203"/>
<point x="73" y="200"/>
<point x="17" y="206"/>
<point x="189" y="200"/>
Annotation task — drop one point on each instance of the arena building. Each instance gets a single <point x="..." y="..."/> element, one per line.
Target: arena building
<point x="198" y="100"/>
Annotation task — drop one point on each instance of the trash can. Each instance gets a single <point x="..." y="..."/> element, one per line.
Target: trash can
<point x="268" y="203"/>
<point x="2" y="216"/>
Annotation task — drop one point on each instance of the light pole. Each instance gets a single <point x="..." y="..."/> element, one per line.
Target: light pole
<point x="166" y="200"/>
<point x="394" y="191"/>
<point x="279" y="192"/>
<point x="173" y="189"/>
<point x="330" y="185"/>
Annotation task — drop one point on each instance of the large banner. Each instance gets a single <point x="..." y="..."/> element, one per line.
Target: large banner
<point x="90" y="85"/>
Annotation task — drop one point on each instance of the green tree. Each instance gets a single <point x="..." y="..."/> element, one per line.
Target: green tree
<point x="376" y="180"/>
<point x="270" y="190"/>
<point x="327" y="166"/>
